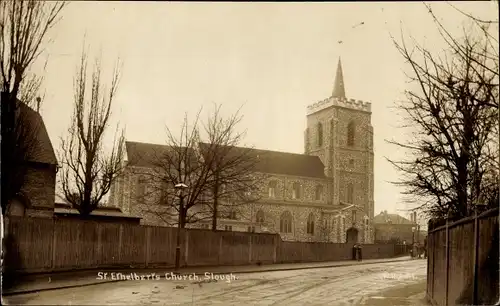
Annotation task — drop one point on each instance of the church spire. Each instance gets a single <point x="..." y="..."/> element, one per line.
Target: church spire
<point x="338" y="88"/>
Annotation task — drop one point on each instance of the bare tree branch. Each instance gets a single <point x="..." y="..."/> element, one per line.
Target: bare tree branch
<point x="88" y="172"/>
<point x="453" y="151"/>
<point x="24" y="26"/>
<point x="220" y="175"/>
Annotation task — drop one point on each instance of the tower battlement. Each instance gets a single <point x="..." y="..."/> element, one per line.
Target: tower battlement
<point x="333" y="101"/>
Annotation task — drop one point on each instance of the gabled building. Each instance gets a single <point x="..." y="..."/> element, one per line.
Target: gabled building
<point x="395" y="228"/>
<point x="37" y="196"/>
<point x="325" y="194"/>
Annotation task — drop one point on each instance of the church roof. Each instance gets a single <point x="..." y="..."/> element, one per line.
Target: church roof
<point x="339" y="87"/>
<point x="275" y="162"/>
<point x="148" y="155"/>
<point x="271" y="162"/>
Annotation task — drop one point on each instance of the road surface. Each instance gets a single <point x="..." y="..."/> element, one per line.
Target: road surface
<point x="352" y="285"/>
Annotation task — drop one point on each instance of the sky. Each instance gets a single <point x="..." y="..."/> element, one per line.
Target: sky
<point x="270" y="60"/>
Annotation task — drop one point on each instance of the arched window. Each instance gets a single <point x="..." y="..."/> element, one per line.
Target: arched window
<point x="319" y="193"/>
<point x="353" y="216"/>
<point x="141" y="188"/>
<point x="272" y="189"/>
<point x="286" y="222"/>
<point x="296" y="194"/>
<point x="350" y="193"/>
<point x="310" y="224"/>
<point x="320" y="134"/>
<point x="232" y="215"/>
<point x="350" y="134"/>
<point x="259" y="217"/>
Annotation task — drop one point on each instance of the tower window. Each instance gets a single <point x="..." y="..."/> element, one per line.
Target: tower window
<point x="350" y="193"/>
<point x="320" y="134"/>
<point x="351" y="162"/>
<point x="350" y="134"/>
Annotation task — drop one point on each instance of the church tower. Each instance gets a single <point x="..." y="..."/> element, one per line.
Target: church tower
<point x="339" y="131"/>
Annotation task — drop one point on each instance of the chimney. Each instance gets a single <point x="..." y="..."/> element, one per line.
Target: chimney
<point x="38" y="101"/>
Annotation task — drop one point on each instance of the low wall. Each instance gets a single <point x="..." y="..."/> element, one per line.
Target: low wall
<point x="46" y="245"/>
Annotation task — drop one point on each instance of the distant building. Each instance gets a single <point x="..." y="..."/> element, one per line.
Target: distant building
<point x="395" y="228"/>
<point x="37" y="196"/>
<point x="325" y="194"/>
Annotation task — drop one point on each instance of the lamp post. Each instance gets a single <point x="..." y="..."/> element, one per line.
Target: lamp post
<point x="180" y="187"/>
<point x="413" y="241"/>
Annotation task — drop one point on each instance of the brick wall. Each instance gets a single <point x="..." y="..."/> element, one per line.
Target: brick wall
<point x="38" y="191"/>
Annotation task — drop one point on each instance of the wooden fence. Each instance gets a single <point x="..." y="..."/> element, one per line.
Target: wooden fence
<point x="46" y="245"/>
<point x="462" y="267"/>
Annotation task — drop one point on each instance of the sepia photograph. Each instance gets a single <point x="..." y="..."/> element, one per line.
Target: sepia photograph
<point x="249" y="153"/>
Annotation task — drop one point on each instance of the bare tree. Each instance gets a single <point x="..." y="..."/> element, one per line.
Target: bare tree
<point x="219" y="176"/>
<point x="87" y="171"/>
<point x="178" y="163"/>
<point x="454" y="113"/>
<point x="234" y="180"/>
<point x="24" y="26"/>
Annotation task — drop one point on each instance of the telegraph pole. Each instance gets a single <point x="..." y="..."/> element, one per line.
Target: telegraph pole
<point x="180" y="187"/>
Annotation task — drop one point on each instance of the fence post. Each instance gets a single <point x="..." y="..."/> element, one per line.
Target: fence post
<point x="275" y="248"/>
<point x="431" y="249"/>
<point x="99" y="244"/>
<point x="250" y="248"/>
<point x="447" y="261"/>
<point x="220" y="247"/>
<point x="476" y="259"/>
<point x="148" y="245"/>
<point x="54" y="247"/>
<point x="120" y="243"/>
<point x="186" y="247"/>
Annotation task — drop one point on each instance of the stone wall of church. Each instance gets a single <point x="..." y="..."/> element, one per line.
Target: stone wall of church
<point x="327" y="226"/>
<point x="347" y="165"/>
<point x="124" y="196"/>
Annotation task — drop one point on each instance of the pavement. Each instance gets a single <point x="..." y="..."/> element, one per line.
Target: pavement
<point x="369" y="283"/>
<point x="62" y="280"/>
<point x="413" y="294"/>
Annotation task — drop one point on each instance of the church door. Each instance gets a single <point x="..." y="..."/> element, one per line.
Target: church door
<point x="352" y="235"/>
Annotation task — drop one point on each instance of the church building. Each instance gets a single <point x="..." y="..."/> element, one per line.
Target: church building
<point x="323" y="195"/>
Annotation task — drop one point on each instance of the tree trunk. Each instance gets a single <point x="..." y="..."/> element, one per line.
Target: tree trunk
<point x="216" y="204"/>
<point x="215" y="210"/>
<point x="182" y="212"/>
